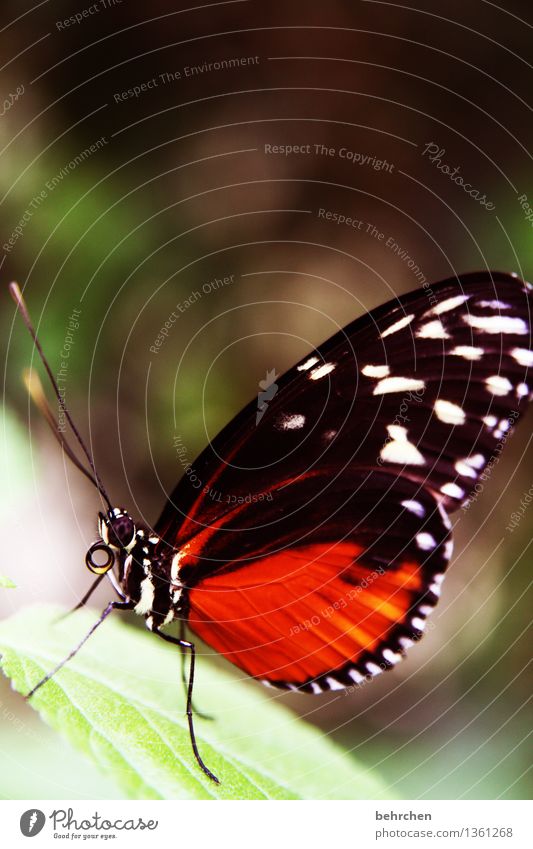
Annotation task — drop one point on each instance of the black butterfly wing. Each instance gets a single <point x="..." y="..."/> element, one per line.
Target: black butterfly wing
<point x="344" y="473"/>
<point x="426" y="386"/>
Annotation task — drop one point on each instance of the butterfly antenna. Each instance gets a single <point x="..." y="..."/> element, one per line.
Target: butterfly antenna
<point x="35" y="389"/>
<point x="37" y="394"/>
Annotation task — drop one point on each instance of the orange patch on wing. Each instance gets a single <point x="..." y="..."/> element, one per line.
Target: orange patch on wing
<point x="302" y="613"/>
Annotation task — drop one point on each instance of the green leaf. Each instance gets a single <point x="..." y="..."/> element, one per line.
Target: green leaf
<point x="7" y="583"/>
<point x="120" y="702"/>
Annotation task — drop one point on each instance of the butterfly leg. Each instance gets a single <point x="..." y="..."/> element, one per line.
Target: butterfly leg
<point x="83" y="601"/>
<point x="88" y="594"/>
<point x="184" y="680"/>
<point x="186" y="645"/>
<point x="113" y="605"/>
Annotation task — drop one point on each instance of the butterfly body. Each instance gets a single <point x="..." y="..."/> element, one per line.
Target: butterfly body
<point x="144" y="578"/>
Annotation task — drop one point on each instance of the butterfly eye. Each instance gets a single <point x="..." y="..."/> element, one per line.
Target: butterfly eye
<point x="99" y="558"/>
<point x="121" y="531"/>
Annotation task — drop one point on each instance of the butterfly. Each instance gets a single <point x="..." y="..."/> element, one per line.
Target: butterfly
<point x="308" y="544"/>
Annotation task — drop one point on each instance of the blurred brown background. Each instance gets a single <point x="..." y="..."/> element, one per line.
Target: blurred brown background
<point x="135" y="164"/>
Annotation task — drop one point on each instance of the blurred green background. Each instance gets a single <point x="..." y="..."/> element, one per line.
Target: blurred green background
<point x="136" y="182"/>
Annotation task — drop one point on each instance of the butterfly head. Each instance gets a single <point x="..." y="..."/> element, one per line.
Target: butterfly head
<point x="117" y="529"/>
<point x="117" y="533"/>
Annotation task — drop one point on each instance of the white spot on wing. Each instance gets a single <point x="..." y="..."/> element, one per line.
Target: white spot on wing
<point x="490" y="421"/>
<point x="450" y="304"/>
<point x="432" y="330"/>
<point x="333" y="684"/>
<point x="398" y="384"/>
<point x="414" y="507"/>
<point x="523" y="356"/>
<point x="452" y="490"/>
<point x="496" y="323"/>
<point x="468" y="352"/>
<point x="522" y="390"/>
<point x="322" y="371"/>
<point x="291" y="422"/>
<point x="503" y="427"/>
<point x="475" y="460"/>
<point x="467" y="466"/>
<point x="498" y="385"/>
<point x="312" y="361"/>
<point x="449" y="413"/>
<point x="418" y="623"/>
<point x="391" y="657"/>
<point x="400" y="450"/>
<point x="464" y="469"/>
<point x="494" y="305"/>
<point x="375" y="371"/>
<point x="398" y="325"/>
<point x="425" y="541"/>
<point x="356" y="676"/>
<point x="373" y="668"/>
